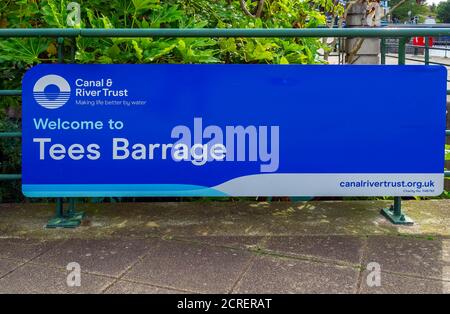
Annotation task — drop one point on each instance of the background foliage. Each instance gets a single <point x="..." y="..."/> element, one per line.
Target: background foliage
<point x="443" y="11"/>
<point x="17" y="55"/>
<point x="415" y="7"/>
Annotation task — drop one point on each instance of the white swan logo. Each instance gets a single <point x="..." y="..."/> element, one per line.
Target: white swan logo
<point x="51" y="91"/>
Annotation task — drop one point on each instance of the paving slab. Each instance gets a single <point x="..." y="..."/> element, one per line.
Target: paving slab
<point x="408" y="255"/>
<point x="398" y="284"/>
<point x="110" y="257"/>
<point x="191" y="267"/>
<point x="274" y="275"/>
<point x="7" y="265"/>
<point x="32" y="278"/>
<point x="238" y="242"/>
<point x="345" y="249"/>
<point x="24" y="249"/>
<point x="127" y="287"/>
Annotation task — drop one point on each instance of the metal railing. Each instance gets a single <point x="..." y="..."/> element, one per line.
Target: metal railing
<point x="426" y="49"/>
<point x="401" y="33"/>
<point x="224" y="32"/>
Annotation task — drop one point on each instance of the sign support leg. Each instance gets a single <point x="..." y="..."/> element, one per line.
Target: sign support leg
<point x="72" y="213"/>
<point x="395" y="214"/>
<point x="71" y="219"/>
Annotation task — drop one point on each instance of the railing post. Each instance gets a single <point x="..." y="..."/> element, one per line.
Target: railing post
<point x="397" y="206"/>
<point x="61" y="220"/>
<point x="401" y="51"/>
<point x="59" y="208"/>
<point x="72" y="218"/>
<point x="60" y="42"/>
<point x="383" y="50"/>
<point x="338" y="49"/>
<point x="72" y="213"/>
<point x="427" y="51"/>
<point x="73" y="47"/>
<point x="395" y="213"/>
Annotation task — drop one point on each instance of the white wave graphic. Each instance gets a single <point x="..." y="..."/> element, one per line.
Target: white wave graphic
<point x="329" y="184"/>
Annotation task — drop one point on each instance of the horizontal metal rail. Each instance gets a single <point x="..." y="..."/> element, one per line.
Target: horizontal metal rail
<point x="416" y="46"/>
<point x="10" y="177"/>
<point x="10" y="92"/>
<point x="19" y="92"/>
<point x="10" y="134"/>
<point x="224" y="32"/>
<point x="418" y="60"/>
<point x="439" y="25"/>
<point x="13" y="177"/>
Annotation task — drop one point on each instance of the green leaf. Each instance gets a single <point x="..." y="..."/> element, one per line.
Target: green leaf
<point x="283" y="60"/>
<point x="144" y="5"/>
<point x="228" y="44"/>
<point x="28" y="50"/>
<point x="137" y="49"/>
<point x="156" y="53"/>
<point x="113" y="51"/>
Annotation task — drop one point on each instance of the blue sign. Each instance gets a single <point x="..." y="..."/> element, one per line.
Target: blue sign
<point x="240" y="130"/>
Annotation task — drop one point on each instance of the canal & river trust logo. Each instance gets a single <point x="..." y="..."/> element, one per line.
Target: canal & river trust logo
<point x="51" y="91"/>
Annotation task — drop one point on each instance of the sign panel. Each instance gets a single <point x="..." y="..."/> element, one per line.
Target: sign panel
<point x="240" y="130"/>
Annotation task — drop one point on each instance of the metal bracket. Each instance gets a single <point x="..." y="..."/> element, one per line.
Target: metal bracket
<point x="70" y="219"/>
<point x="395" y="215"/>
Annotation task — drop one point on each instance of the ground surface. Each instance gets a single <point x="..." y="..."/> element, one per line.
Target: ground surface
<point x="228" y="247"/>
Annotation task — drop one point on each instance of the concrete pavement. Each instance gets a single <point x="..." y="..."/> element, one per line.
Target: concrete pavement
<point x="227" y="247"/>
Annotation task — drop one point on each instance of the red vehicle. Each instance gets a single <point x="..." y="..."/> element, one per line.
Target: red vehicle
<point x="420" y="41"/>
